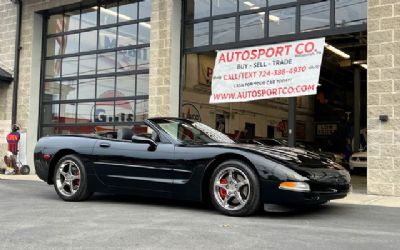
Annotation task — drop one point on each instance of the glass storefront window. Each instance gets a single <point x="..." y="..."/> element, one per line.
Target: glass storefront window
<point x="55" y="24"/>
<point x="69" y="66"/>
<point x="142" y="84"/>
<point x="276" y="2"/>
<point x="87" y="89"/>
<point x="127" y="35"/>
<point x="223" y="30"/>
<point x="105" y="87"/>
<point x="350" y="12"/>
<point x="108" y="14"/>
<point x="142" y="110"/>
<point x="71" y="44"/>
<point x="144" y="9"/>
<point x="69" y="90"/>
<point x="143" y="56"/>
<point x="126" y="60"/>
<point x="51" y="91"/>
<point x="223" y="6"/>
<point x="89" y="17"/>
<point x="252" y="26"/>
<point x="53" y="68"/>
<point x="91" y="71"/>
<point x="251" y="4"/>
<point x="126" y="85"/>
<point x="144" y="32"/>
<point x="106" y="63"/>
<point x="72" y="20"/>
<point x="85" y="112"/>
<point x="127" y="11"/>
<point x="282" y="22"/>
<point x="197" y="34"/>
<point x="196" y="9"/>
<point x="67" y="113"/>
<point x="54" y="45"/>
<point x="87" y="65"/>
<point x="107" y="38"/>
<point x="88" y="41"/>
<point x="315" y="16"/>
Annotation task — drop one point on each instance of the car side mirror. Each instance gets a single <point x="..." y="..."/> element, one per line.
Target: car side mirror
<point x="145" y="140"/>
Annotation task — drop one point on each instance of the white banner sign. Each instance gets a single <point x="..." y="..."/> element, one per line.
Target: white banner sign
<point x="278" y="70"/>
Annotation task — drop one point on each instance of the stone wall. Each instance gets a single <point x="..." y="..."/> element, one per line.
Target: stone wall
<point x="384" y="97"/>
<point x="164" y="58"/>
<point x="7" y="42"/>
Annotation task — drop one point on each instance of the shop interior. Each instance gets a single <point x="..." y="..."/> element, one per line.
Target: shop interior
<point x="325" y="123"/>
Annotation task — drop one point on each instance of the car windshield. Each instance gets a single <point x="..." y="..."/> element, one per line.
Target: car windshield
<point x="190" y="132"/>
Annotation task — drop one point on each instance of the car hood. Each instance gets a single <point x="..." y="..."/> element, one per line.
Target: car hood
<point x="306" y="163"/>
<point x="359" y="154"/>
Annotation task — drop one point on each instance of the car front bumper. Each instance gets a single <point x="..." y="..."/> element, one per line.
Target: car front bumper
<point x="320" y="193"/>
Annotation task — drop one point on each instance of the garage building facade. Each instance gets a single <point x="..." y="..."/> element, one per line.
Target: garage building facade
<point x="88" y="64"/>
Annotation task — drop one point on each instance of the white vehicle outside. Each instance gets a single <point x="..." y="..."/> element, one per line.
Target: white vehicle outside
<point x="358" y="160"/>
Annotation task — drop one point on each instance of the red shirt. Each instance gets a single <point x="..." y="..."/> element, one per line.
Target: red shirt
<point x="12" y="140"/>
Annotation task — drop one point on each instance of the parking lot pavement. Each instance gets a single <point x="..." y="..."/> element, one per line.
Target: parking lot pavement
<point x="33" y="217"/>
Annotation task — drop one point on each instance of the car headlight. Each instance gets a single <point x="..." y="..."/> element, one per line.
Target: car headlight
<point x="295" y="186"/>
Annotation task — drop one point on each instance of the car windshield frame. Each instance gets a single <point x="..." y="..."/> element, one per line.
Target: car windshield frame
<point x="190" y="132"/>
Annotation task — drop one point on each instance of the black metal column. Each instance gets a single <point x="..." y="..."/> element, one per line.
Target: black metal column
<point x="292" y="122"/>
<point x="357" y="108"/>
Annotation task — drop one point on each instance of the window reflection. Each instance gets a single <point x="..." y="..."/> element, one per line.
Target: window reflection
<point x="69" y="66"/>
<point x="142" y="84"/>
<point x="127" y="10"/>
<point x="69" y="90"/>
<point x="87" y="65"/>
<point x="276" y="2"/>
<point x="252" y="26"/>
<point x="126" y="85"/>
<point x="282" y="22"/>
<point x="88" y="41"/>
<point x="315" y="16"/>
<point x="144" y="33"/>
<point x="106" y="63"/>
<point x="54" y="45"/>
<point x="223" y="7"/>
<point x="55" y="24"/>
<point x="350" y="12"/>
<point x="126" y="60"/>
<point x="196" y="9"/>
<point x="108" y="38"/>
<point x="251" y="5"/>
<point x="143" y="58"/>
<point x="142" y="110"/>
<point x="144" y="9"/>
<point x="105" y="87"/>
<point x="50" y="113"/>
<point x="224" y="30"/>
<point x="197" y="34"/>
<point x="89" y="18"/>
<point x="51" y="91"/>
<point x="85" y="112"/>
<point x="108" y="13"/>
<point x="71" y="44"/>
<point x="87" y="89"/>
<point x="127" y="35"/>
<point x="53" y="68"/>
<point x="105" y="111"/>
<point x="72" y="20"/>
<point x="67" y="113"/>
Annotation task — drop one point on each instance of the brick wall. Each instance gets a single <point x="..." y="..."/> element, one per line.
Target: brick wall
<point x="384" y="97"/>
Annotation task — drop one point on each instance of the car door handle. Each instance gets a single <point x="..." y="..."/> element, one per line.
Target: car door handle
<point x="104" y="145"/>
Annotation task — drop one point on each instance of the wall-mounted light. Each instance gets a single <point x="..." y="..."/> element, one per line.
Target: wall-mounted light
<point x="383" y="118"/>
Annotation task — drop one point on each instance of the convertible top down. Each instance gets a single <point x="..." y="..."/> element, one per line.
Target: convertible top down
<point x="183" y="159"/>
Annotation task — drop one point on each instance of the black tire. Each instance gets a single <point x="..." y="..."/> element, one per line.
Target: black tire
<point x="24" y="170"/>
<point x="253" y="195"/>
<point x="82" y="192"/>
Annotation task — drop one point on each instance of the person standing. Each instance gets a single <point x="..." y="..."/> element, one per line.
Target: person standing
<point x="13" y="140"/>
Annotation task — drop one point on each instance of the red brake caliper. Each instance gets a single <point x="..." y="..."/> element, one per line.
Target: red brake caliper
<point x="222" y="191"/>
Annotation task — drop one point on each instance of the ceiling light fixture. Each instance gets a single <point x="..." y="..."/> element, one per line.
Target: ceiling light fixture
<point x="249" y="3"/>
<point x="365" y="66"/>
<point x="337" y="51"/>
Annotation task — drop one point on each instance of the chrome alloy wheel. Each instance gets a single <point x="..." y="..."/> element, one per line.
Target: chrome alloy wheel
<point x="232" y="188"/>
<point x="68" y="178"/>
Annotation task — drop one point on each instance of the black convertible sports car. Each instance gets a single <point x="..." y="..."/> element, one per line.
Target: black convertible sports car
<point x="182" y="159"/>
